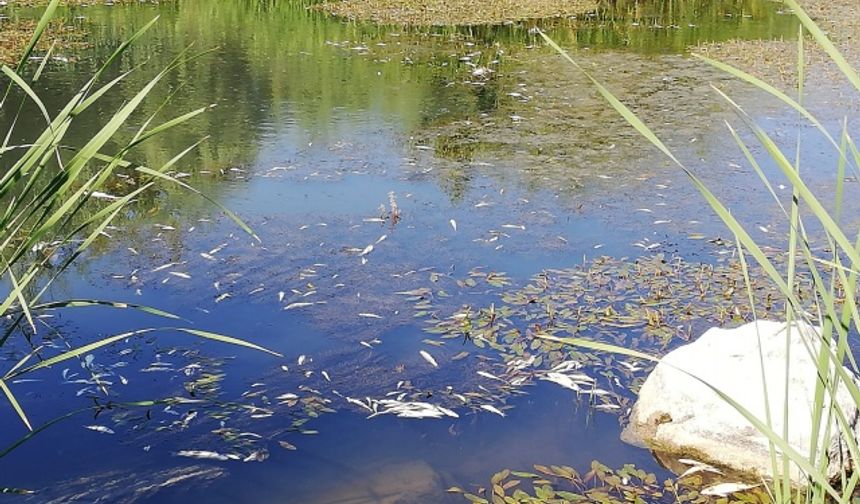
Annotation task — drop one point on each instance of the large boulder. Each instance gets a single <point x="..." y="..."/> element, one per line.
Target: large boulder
<point x="677" y="414"/>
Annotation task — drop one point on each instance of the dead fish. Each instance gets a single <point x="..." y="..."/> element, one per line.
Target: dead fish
<point x="163" y="267"/>
<point x="325" y="375"/>
<point x="186" y="420"/>
<point x="293" y="306"/>
<point x="287" y="446"/>
<point x="370" y="315"/>
<point x="630" y="367"/>
<point x="302" y="359"/>
<point x="359" y="403"/>
<point x="489" y="375"/>
<point x="647" y="247"/>
<point x="405" y="409"/>
<point x="724" y="489"/>
<point x="453" y="224"/>
<point x="429" y="358"/>
<point x="696" y="467"/>
<point x="564" y="380"/>
<point x="256" y="456"/>
<point x="99" y="428"/>
<point x="492" y="409"/>
<point x="597" y="392"/>
<point x="202" y="454"/>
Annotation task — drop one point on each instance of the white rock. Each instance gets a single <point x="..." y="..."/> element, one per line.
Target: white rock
<point x="679" y="415"/>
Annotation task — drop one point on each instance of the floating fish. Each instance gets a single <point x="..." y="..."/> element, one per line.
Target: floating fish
<point x="99" y="428"/>
<point x="696" y="467"/>
<point x="287" y="446"/>
<point x="489" y="375"/>
<point x="492" y="409"/>
<point x="409" y="409"/>
<point x="256" y="456"/>
<point x="202" y="454"/>
<point x="724" y="489"/>
<point x="429" y="358"/>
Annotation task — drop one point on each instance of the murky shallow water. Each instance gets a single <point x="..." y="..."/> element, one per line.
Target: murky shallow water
<point x="517" y="170"/>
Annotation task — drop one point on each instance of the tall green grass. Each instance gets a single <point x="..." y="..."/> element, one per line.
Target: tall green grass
<point x="53" y="197"/>
<point x="835" y="306"/>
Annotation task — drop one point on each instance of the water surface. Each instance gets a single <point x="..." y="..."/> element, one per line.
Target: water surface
<point x="500" y="160"/>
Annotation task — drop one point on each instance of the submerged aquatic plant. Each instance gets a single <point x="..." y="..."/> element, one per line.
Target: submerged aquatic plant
<point x="57" y="204"/>
<point x="563" y="485"/>
<point x="833" y="275"/>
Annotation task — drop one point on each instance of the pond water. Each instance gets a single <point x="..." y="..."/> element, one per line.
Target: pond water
<point x="501" y="163"/>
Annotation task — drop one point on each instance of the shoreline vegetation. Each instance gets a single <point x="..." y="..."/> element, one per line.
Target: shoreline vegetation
<point x="454" y="12"/>
<point x="775" y="60"/>
<point x="770" y="60"/>
<point x="75" y="3"/>
<point x="16" y="34"/>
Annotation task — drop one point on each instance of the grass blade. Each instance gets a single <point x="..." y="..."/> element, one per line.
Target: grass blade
<point x="77" y="352"/>
<point x="14" y="403"/>
<point x="235" y="218"/>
